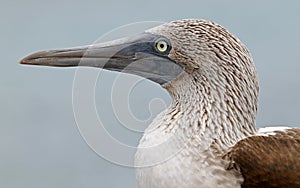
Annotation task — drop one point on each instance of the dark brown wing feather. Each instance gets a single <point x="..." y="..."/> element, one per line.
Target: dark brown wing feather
<point x="268" y="161"/>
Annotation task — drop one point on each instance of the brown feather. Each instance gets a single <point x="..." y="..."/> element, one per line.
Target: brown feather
<point x="268" y="161"/>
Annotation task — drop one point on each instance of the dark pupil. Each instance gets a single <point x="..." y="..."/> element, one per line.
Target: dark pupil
<point x="162" y="46"/>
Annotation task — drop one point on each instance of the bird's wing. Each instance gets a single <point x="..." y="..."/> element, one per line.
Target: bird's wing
<point x="268" y="160"/>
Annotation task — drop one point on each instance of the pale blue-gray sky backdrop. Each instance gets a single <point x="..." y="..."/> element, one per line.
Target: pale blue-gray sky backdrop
<point x="40" y="145"/>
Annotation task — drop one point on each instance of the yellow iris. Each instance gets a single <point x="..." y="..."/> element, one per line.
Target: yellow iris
<point x="162" y="46"/>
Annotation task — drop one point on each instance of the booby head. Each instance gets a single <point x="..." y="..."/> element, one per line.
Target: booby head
<point x="187" y="57"/>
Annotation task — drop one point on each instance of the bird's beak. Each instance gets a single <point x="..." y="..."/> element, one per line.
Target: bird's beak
<point x="135" y="55"/>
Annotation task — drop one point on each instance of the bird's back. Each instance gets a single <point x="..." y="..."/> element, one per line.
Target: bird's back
<point x="270" y="159"/>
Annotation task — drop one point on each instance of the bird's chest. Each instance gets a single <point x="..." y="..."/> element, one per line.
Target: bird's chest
<point x="179" y="171"/>
<point x="165" y="162"/>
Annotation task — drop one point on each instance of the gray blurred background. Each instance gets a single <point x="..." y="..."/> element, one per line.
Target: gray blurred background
<point x="40" y="145"/>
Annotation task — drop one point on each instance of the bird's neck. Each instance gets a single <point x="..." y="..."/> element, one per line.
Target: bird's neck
<point x="208" y="110"/>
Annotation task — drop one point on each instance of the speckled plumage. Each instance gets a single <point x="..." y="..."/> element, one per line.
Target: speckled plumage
<point x="214" y="107"/>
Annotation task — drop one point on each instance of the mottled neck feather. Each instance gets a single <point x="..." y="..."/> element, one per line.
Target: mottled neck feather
<point x="222" y="114"/>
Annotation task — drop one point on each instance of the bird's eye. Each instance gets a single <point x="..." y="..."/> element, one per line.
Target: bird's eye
<point x="161" y="46"/>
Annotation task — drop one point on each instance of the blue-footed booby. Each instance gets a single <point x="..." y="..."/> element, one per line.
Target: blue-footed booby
<point x="212" y="80"/>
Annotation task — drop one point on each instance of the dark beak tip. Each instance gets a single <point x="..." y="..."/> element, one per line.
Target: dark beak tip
<point x="27" y="60"/>
<point x="24" y="61"/>
<point x="30" y="59"/>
